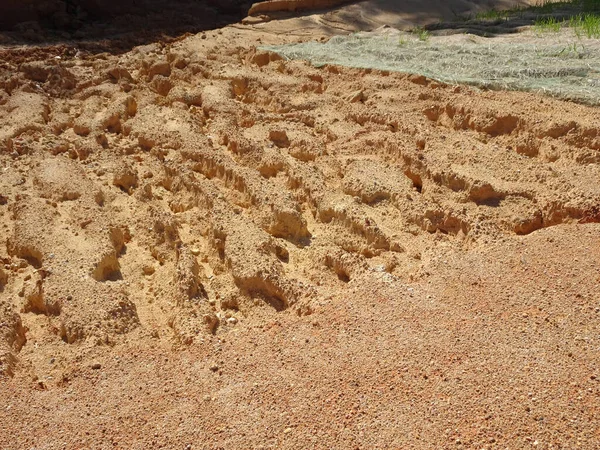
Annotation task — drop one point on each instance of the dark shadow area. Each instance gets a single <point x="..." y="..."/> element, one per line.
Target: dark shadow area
<point x="493" y="202"/>
<point x="403" y="15"/>
<point x="440" y="17"/>
<point x="304" y="242"/>
<point x="98" y="26"/>
<point x="343" y="276"/>
<point x="115" y="275"/>
<point x="277" y="303"/>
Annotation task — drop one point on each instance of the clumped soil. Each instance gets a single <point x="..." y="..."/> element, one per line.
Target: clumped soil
<point x="206" y="246"/>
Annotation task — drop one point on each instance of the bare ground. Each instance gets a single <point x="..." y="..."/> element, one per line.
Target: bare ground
<point x="205" y="246"/>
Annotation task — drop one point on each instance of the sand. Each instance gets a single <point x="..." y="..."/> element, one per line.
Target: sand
<point x="205" y="246"/>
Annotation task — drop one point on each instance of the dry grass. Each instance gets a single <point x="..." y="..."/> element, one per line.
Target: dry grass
<point x="561" y="64"/>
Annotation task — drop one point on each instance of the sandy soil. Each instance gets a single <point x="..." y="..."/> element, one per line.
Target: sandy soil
<point x="204" y="246"/>
<point x="303" y="18"/>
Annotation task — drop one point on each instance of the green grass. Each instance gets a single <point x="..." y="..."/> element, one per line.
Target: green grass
<point x="574" y="49"/>
<point x="547" y="25"/>
<point x="584" y="17"/>
<point x="422" y="34"/>
<point x="493" y="14"/>
<point x="591" y="25"/>
<point x="586" y="25"/>
<point x="546" y="16"/>
<point x="500" y="14"/>
<point x="541" y="7"/>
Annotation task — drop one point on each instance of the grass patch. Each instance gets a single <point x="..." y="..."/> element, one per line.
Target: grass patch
<point x="493" y="14"/>
<point x="547" y="24"/>
<point x="422" y="34"/>
<point x="583" y="25"/>
<point x="574" y="50"/>
<point x="582" y="16"/>
<point x="543" y="7"/>
<point x="586" y="25"/>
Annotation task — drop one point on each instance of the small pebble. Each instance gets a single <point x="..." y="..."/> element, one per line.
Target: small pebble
<point x="96" y="366"/>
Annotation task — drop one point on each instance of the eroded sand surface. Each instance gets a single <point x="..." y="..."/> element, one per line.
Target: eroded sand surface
<point x="205" y="245"/>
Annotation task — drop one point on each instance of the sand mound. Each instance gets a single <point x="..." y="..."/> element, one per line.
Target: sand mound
<point x="270" y="253"/>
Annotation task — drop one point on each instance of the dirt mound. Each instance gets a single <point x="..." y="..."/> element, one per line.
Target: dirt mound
<point x="274" y="254"/>
<point x="311" y="18"/>
<point x="292" y="5"/>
